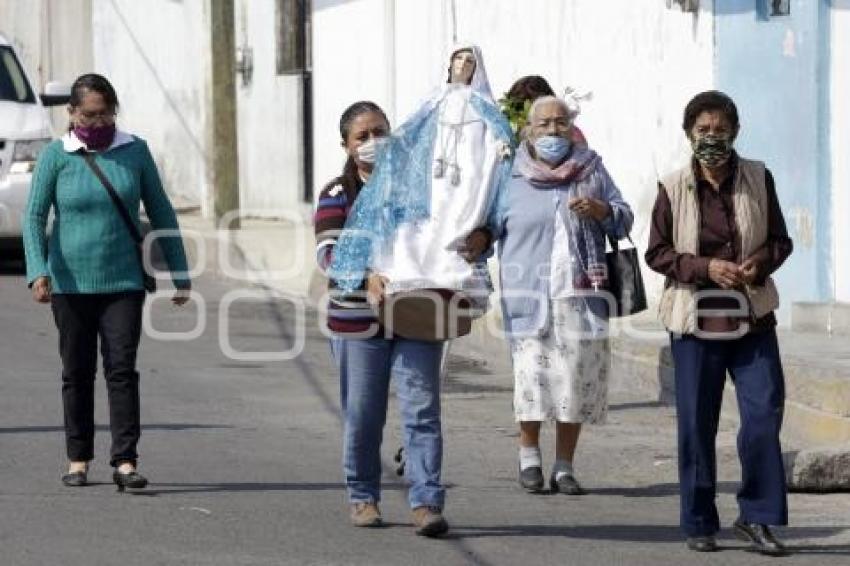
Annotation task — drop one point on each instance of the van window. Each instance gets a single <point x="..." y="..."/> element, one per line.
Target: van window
<point x="13" y="82"/>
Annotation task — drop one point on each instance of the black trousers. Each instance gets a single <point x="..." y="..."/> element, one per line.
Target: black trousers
<point x="754" y="365"/>
<point x="117" y="319"/>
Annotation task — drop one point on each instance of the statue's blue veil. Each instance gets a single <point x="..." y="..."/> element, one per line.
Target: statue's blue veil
<point x="399" y="189"/>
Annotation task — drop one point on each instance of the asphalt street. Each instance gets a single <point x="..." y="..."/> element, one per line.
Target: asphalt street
<point x="244" y="461"/>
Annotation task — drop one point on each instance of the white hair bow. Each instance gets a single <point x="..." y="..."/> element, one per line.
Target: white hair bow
<point x="574" y="98"/>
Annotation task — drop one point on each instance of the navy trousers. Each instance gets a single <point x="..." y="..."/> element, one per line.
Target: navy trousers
<point x="753" y="363"/>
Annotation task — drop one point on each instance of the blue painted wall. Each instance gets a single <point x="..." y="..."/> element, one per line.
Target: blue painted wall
<point x="775" y="70"/>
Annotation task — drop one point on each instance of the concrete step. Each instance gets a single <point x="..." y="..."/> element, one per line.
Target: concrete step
<point x="273" y="253"/>
<point x="817" y="377"/>
<point x="831" y="318"/>
<point x="816" y="427"/>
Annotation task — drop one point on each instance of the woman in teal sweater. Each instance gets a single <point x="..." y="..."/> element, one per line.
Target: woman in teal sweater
<point x="90" y="269"/>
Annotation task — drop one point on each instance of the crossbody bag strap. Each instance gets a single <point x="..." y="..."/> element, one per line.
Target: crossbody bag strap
<point x="116" y="200"/>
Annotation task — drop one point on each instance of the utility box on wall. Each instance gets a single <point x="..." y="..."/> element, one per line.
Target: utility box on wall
<point x="779" y="8"/>
<point x="685" y="5"/>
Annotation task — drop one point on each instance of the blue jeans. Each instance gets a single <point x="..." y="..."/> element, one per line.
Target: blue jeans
<point x="365" y="368"/>
<point x="755" y="367"/>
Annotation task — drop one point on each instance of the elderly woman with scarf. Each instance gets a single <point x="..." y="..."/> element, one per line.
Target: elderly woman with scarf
<point x="559" y="207"/>
<point x="517" y="102"/>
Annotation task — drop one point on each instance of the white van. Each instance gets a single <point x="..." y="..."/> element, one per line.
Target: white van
<point x="24" y="131"/>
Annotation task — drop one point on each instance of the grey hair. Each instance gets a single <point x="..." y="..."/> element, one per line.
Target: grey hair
<point x="538" y="102"/>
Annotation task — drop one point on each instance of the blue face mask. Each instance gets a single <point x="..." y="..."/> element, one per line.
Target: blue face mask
<point x="551" y="149"/>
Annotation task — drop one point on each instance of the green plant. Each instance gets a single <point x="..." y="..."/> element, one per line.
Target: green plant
<point x="516" y="112"/>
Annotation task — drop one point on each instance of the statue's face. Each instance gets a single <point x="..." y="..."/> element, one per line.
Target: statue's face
<point x="462" y="66"/>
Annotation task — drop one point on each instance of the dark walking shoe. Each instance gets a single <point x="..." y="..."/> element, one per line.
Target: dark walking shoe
<point x="75" y="479"/>
<point x="531" y="479"/>
<point x="702" y="544"/>
<point x="133" y="480"/>
<point x="567" y="484"/>
<point x="366" y="514"/>
<point x="760" y="538"/>
<point x="429" y="521"/>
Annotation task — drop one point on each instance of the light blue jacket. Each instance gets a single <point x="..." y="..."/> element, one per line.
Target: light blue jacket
<point x="525" y="241"/>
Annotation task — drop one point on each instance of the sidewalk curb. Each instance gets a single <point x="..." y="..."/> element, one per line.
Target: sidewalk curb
<point x="825" y="470"/>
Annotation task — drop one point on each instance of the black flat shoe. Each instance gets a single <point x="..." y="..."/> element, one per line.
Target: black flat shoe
<point x="75" y="479"/>
<point x="566" y="484"/>
<point x="702" y="544"/>
<point x="760" y="538"/>
<point x="531" y="479"/>
<point x="133" y="480"/>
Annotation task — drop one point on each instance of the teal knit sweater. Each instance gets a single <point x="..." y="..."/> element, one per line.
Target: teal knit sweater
<point x="90" y="249"/>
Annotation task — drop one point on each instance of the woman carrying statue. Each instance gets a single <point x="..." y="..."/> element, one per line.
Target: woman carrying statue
<point x="418" y="232"/>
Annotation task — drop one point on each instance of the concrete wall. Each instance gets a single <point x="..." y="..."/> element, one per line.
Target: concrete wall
<point x="349" y="64"/>
<point x="53" y="38"/>
<point x="269" y="119"/>
<point x="641" y="60"/>
<point x="772" y="68"/>
<point x="21" y="23"/>
<point x="840" y="143"/>
<point x="156" y="53"/>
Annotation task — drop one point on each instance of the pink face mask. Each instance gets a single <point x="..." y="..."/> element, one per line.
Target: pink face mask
<point x="97" y="138"/>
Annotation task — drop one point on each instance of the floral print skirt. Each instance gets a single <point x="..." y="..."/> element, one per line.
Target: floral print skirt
<point x="561" y="375"/>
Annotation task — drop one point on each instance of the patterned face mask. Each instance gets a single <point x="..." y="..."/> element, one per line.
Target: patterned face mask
<point x="712" y="150"/>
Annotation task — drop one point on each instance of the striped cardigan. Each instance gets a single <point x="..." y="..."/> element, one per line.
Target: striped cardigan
<point x="349" y="315"/>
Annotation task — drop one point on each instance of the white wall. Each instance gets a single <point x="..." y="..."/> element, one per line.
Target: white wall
<point x="642" y="61"/>
<point x="21" y="23"/>
<point x="840" y="144"/>
<point x="269" y="119"/>
<point x="53" y="37"/>
<point x="351" y="62"/>
<point x="157" y="55"/>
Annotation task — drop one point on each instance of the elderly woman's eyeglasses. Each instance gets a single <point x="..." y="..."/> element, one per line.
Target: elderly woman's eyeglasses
<point x="560" y="124"/>
<point x="92" y="117"/>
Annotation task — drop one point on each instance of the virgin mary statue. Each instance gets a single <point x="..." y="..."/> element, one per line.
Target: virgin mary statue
<point x="438" y="177"/>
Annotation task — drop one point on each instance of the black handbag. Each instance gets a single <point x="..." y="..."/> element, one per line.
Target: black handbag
<point x="624" y="279"/>
<point x="148" y="281"/>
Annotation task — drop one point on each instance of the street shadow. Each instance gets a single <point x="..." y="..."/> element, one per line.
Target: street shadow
<point x="656" y="490"/>
<point x="649" y="533"/>
<point x="247" y="487"/>
<point x="834" y="549"/>
<point x="666" y="376"/>
<point x="635" y="405"/>
<point x="631" y="533"/>
<point x="12" y="267"/>
<point x="105" y="428"/>
<point x="243" y="487"/>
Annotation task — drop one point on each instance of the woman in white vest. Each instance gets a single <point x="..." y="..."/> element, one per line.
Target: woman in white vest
<point x="717" y="234"/>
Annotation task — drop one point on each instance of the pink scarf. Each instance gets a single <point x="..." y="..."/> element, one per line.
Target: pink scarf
<point x="581" y="163"/>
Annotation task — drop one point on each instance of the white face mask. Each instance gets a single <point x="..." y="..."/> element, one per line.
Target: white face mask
<point x="369" y="150"/>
